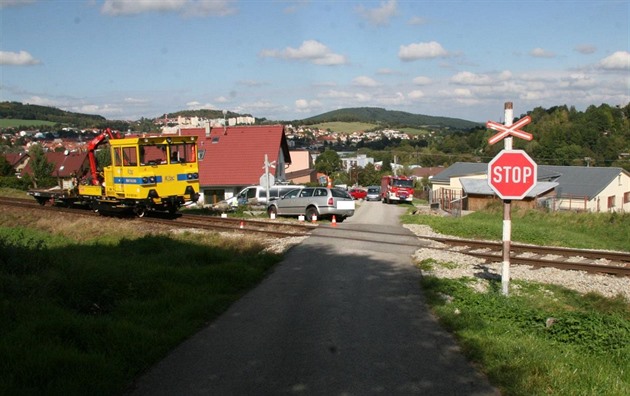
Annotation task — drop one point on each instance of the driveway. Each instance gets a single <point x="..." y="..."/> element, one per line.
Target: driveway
<point x="338" y="316"/>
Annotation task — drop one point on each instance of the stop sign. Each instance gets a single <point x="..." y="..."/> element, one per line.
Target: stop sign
<point x="512" y="174"/>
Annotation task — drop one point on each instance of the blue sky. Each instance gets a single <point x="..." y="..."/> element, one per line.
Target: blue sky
<point x="286" y="60"/>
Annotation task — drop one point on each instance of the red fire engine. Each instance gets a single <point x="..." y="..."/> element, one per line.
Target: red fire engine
<point x="396" y="189"/>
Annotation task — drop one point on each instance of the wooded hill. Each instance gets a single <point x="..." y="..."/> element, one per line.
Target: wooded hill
<point x="17" y="110"/>
<point x="389" y="119"/>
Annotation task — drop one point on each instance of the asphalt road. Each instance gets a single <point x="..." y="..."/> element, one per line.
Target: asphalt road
<point x="336" y="317"/>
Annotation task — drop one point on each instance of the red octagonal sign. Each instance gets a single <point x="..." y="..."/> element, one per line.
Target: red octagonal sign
<point x="512" y="174"/>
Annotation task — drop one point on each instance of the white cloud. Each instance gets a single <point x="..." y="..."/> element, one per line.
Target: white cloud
<point x="188" y="8"/>
<point x="125" y="7"/>
<point x="135" y="101"/>
<point x="416" y="21"/>
<point x="196" y="105"/>
<point x="505" y="75"/>
<point x="417" y="51"/>
<point x="311" y="50"/>
<point x="585" y="49"/>
<point x="391" y="100"/>
<point x="468" y="78"/>
<point x="306" y="106"/>
<point x="620" y="60"/>
<point x="421" y="80"/>
<point x="578" y="81"/>
<point x="15" y="3"/>
<point x="379" y="16"/>
<point x="335" y="94"/>
<point x="415" y="94"/>
<point x="364" y="81"/>
<point x="21" y="58"/>
<point x="541" y="53"/>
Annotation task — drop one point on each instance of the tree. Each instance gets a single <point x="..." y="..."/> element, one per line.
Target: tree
<point x="42" y="169"/>
<point x="369" y="176"/>
<point x="5" y="167"/>
<point x="328" y="162"/>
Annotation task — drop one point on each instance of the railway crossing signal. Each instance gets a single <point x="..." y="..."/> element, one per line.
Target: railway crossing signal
<point x="505" y="130"/>
<point x="512" y="174"/>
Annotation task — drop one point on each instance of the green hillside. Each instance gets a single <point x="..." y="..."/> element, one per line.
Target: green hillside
<point x="32" y="113"/>
<point x="389" y="118"/>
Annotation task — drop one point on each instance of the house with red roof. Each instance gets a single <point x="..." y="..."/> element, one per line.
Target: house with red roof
<point x="17" y="160"/>
<point x="68" y="167"/>
<point x="233" y="157"/>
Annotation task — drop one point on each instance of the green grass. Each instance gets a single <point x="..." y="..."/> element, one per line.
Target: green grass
<point x="579" y="230"/>
<point x="14" y="122"/>
<point x="586" y="351"/>
<point x="87" y="317"/>
<point x="345" y="127"/>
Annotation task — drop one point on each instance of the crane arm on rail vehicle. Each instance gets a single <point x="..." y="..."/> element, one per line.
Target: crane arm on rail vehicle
<point x="94" y="143"/>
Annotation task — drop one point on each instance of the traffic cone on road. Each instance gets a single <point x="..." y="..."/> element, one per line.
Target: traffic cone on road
<point x="334" y="221"/>
<point x="314" y="219"/>
<point x="242" y="224"/>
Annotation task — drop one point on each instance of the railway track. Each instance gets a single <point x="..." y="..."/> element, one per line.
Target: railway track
<point x="276" y="229"/>
<point x="591" y="261"/>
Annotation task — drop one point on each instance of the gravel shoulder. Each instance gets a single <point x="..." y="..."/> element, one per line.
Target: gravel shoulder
<point x="462" y="265"/>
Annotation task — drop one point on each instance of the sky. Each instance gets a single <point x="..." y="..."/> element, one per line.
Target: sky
<point x="289" y="60"/>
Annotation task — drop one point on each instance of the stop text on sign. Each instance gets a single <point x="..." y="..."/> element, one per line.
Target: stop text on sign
<point x="512" y="174"/>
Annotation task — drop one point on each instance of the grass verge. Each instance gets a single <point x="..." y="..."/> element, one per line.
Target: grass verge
<point x="85" y="309"/>
<point x="542" y="339"/>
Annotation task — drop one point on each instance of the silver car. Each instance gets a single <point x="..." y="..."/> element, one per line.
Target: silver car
<point x="314" y="201"/>
<point x="373" y="193"/>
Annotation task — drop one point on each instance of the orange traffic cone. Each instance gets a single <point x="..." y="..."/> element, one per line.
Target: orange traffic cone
<point x="242" y="223"/>
<point x="329" y="183"/>
<point x="314" y="219"/>
<point x="334" y="221"/>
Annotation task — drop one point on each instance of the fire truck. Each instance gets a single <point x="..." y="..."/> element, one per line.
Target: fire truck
<point x="396" y="189"/>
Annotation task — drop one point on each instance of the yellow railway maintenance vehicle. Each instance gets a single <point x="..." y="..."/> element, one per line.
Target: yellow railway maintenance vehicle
<point x="147" y="173"/>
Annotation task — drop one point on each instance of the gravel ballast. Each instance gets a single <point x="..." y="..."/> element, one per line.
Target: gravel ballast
<point x="462" y="265"/>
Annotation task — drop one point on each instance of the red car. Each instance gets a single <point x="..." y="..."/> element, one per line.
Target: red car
<point x="358" y="193"/>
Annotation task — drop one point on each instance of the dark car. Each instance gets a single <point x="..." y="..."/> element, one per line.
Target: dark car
<point x="314" y="201"/>
<point x="358" y="193"/>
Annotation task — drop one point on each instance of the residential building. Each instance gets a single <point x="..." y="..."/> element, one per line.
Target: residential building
<point x="593" y="189"/>
<point x="231" y="158"/>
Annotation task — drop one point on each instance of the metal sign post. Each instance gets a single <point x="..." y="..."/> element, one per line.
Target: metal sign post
<point x="525" y="173"/>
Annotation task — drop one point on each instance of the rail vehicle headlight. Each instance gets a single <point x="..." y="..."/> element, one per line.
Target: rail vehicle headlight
<point x="145" y="180"/>
<point x="195" y="175"/>
<point x="152" y="179"/>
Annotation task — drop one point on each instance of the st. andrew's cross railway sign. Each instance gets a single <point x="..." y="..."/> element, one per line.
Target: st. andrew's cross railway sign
<point x="512" y="130"/>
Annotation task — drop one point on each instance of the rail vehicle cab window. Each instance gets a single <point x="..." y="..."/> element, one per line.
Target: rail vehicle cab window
<point x="153" y="154"/>
<point x="182" y="153"/>
<point x="130" y="156"/>
<point x="117" y="156"/>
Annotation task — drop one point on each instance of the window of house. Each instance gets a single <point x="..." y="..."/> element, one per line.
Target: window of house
<point x="611" y="202"/>
<point x="626" y="197"/>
